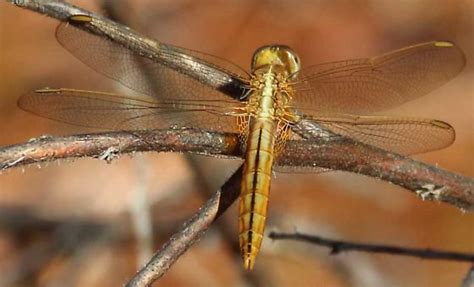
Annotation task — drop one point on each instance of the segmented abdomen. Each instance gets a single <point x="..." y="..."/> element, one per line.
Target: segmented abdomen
<point x="255" y="188"/>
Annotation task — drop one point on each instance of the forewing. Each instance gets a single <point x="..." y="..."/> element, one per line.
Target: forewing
<point x="115" y="112"/>
<point x="400" y="135"/>
<point x="369" y="85"/>
<point x="149" y="67"/>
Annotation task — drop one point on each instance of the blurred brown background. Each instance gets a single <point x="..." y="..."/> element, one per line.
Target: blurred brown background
<point x="69" y="224"/>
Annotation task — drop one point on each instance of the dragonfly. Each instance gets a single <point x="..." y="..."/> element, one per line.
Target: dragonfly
<point x="177" y="87"/>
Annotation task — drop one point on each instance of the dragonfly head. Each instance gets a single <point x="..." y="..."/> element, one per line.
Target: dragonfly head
<point x="278" y="56"/>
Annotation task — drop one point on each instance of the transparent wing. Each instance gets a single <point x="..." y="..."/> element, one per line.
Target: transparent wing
<point x="161" y="71"/>
<point x="375" y="84"/>
<point x="114" y="112"/>
<point x="400" y="135"/>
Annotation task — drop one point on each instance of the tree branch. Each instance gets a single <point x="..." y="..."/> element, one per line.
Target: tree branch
<point x="336" y="153"/>
<point x="109" y="145"/>
<point x="338" y="246"/>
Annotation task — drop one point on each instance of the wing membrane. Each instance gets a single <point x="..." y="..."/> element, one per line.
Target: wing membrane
<point x="191" y="89"/>
<point x="164" y="72"/>
<point x="379" y="83"/>
<point x="400" y="135"/>
<point x="115" y="112"/>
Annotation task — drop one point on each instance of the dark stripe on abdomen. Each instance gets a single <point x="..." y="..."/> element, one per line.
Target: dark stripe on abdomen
<point x="255" y="187"/>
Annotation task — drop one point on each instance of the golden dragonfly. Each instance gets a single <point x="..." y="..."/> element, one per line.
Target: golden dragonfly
<point x="184" y="88"/>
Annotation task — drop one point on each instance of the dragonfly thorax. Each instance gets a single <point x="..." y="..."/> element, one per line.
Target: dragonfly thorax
<point x="280" y="57"/>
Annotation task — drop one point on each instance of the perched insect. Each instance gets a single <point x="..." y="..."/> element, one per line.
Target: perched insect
<point x="190" y="89"/>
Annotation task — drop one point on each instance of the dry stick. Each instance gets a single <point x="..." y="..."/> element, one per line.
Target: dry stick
<point x="338" y="246"/>
<point x="338" y="153"/>
<point x="109" y="145"/>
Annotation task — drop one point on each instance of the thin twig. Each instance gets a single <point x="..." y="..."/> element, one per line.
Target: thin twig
<point x="338" y="246"/>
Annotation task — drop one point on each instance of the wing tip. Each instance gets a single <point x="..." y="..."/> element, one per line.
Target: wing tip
<point x="441" y="124"/>
<point x="24" y="102"/>
<point x="449" y="129"/>
<point x="458" y="55"/>
<point x="444" y="44"/>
